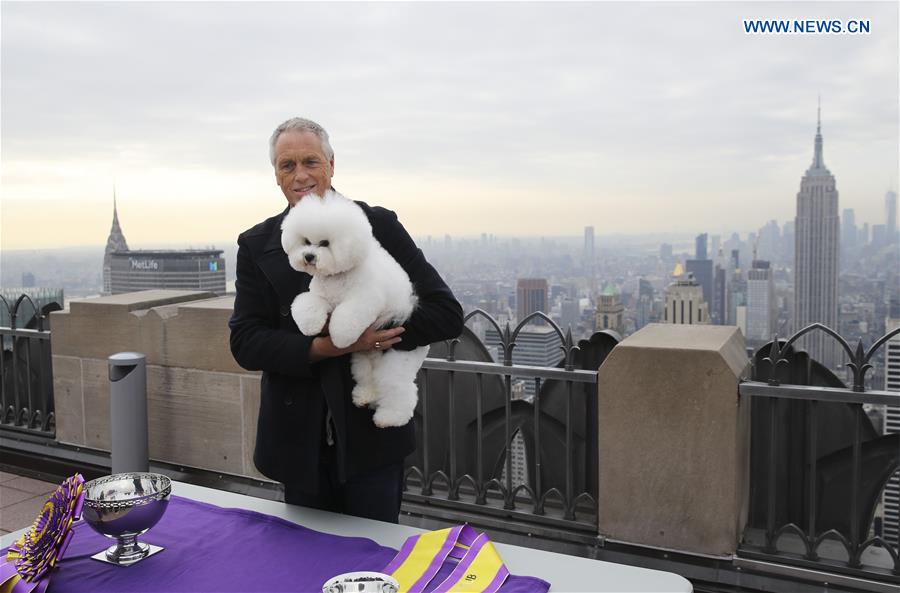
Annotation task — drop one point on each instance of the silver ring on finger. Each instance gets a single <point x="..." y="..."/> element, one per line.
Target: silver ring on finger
<point x="377" y="345"/>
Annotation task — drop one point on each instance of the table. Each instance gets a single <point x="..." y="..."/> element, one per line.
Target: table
<point x="565" y="573"/>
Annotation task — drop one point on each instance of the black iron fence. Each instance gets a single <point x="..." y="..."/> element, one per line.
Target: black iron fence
<point x="26" y="374"/>
<point x="819" y="466"/>
<point x="504" y="440"/>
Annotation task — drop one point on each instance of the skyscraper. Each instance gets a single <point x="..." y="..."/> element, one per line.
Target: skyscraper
<point x="125" y="270"/>
<point x="702" y="270"/>
<point x="644" y="313"/>
<point x="816" y="256"/>
<point x="173" y="269"/>
<point x="719" y="304"/>
<point x="610" y="310"/>
<point x="890" y="211"/>
<point x="531" y="295"/>
<point x="700" y="242"/>
<point x="590" y="258"/>
<point x="701" y="267"/>
<point x="115" y="242"/>
<point x="848" y="229"/>
<point x="684" y="302"/>
<point x="892" y="424"/>
<point x="760" y="303"/>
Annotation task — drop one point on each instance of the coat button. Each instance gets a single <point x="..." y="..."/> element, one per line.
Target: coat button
<point x="285" y="311"/>
<point x="288" y="401"/>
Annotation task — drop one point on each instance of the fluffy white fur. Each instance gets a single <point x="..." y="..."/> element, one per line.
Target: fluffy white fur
<point x="359" y="284"/>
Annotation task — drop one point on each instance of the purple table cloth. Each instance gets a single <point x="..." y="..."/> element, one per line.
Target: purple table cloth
<point x="212" y="549"/>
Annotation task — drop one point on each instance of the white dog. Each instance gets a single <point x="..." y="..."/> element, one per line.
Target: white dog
<point x="359" y="284"/>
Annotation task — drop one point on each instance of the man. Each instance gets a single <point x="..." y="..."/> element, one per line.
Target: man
<point x="327" y="452"/>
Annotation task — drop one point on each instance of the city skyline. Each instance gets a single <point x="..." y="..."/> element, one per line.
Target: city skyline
<point x="635" y="129"/>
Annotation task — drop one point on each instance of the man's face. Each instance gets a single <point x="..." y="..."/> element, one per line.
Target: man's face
<point x="301" y="166"/>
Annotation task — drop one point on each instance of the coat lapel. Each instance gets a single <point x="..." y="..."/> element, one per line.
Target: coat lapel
<point x="286" y="281"/>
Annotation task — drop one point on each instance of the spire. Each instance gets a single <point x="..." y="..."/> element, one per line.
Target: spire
<point x="818" y="160"/>
<point x="116" y="240"/>
<point x="819" y="117"/>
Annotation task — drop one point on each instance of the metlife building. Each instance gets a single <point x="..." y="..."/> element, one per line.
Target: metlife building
<point x="188" y="269"/>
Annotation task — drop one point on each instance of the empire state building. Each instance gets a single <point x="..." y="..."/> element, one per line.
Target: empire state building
<point x="817" y="245"/>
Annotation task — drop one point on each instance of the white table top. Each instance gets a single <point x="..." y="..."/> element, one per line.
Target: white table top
<point x="563" y="572"/>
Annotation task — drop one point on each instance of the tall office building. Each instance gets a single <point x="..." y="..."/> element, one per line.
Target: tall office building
<point x="685" y="303"/>
<point x="788" y="239"/>
<point x="719" y="305"/>
<point x="644" y="313"/>
<point x="185" y="269"/>
<point x="816" y="256"/>
<point x="700" y="243"/>
<point x="848" y="229"/>
<point x="115" y="242"/>
<point x="702" y="270"/>
<point x="590" y="259"/>
<point x="126" y="270"/>
<point x="665" y="252"/>
<point x="569" y="315"/>
<point x="761" y="309"/>
<point x="769" y="241"/>
<point x="891" y="495"/>
<point x="701" y="267"/>
<point x="890" y="211"/>
<point x="610" y="311"/>
<point x="532" y="294"/>
<point x="737" y="299"/>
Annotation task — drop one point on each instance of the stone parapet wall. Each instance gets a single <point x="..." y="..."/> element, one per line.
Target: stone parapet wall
<point x="673" y="434"/>
<point x="674" y="439"/>
<point x="202" y="407"/>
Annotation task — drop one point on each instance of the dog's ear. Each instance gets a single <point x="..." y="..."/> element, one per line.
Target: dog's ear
<point x="290" y="236"/>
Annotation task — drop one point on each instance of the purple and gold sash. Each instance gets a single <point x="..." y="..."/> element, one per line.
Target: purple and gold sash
<point x="479" y="570"/>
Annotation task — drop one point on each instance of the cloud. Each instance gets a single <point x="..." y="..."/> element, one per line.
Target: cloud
<point x="664" y="103"/>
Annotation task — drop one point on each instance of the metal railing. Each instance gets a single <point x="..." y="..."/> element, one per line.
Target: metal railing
<point x="818" y="466"/>
<point x="486" y="454"/>
<point x="26" y="374"/>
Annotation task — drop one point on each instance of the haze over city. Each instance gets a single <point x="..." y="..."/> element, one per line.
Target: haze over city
<point x="512" y="119"/>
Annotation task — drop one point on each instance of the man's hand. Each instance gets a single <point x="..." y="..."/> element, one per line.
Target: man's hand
<point x="377" y="339"/>
<point x="370" y="340"/>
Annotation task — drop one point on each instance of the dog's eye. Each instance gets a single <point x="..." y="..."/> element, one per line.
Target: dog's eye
<point x="306" y="242"/>
<point x="323" y="243"/>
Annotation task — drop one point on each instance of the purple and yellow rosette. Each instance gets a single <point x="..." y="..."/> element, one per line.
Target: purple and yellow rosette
<point x="28" y="561"/>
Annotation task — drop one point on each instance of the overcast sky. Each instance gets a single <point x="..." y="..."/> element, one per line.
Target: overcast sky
<point x="465" y="118"/>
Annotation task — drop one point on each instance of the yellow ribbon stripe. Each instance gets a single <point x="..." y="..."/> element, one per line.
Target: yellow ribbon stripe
<point x="420" y="558"/>
<point x="8" y="586"/>
<point x="485" y="567"/>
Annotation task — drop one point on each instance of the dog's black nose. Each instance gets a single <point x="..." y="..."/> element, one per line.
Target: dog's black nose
<point x="310" y="257"/>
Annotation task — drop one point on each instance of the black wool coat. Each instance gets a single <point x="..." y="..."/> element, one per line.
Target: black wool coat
<point x="296" y="393"/>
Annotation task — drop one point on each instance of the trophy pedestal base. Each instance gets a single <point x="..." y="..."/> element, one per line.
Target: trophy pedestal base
<point x="101" y="556"/>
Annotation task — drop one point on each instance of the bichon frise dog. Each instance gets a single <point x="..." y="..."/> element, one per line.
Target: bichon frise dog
<point x="359" y="284"/>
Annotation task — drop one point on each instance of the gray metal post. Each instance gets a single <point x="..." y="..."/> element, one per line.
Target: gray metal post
<point x="128" y="412"/>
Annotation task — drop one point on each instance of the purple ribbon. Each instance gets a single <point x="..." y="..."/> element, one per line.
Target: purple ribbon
<point x="31" y="558"/>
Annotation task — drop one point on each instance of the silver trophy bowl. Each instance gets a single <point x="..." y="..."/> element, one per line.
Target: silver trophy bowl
<point x="122" y="507"/>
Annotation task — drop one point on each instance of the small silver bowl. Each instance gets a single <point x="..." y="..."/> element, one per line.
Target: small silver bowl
<point x="122" y="507"/>
<point x="361" y="582"/>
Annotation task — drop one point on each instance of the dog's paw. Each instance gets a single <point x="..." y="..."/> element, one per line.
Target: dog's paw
<point x="308" y="315"/>
<point x="363" y="395"/>
<point x="389" y="416"/>
<point x="310" y="327"/>
<point x="342" y="333"/>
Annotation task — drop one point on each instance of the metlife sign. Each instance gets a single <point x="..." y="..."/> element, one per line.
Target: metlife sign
<point x="144" y="264"/>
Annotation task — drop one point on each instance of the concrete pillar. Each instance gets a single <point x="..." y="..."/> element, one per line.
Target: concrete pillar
<point x="674" y="439"/>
